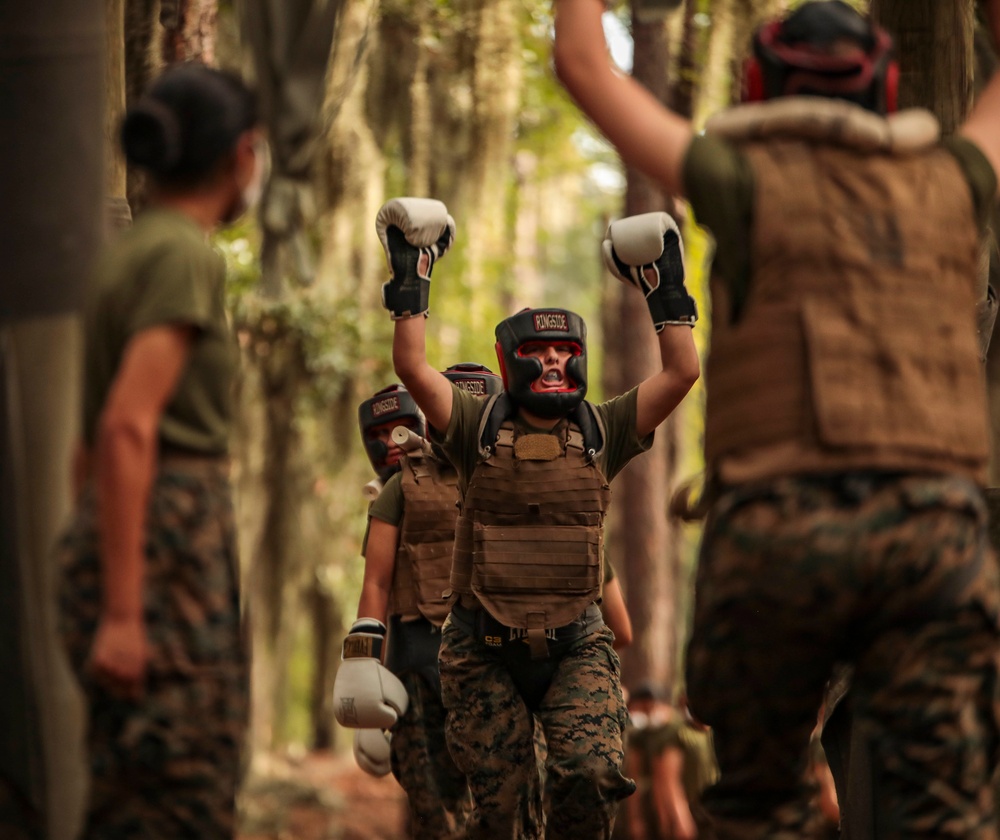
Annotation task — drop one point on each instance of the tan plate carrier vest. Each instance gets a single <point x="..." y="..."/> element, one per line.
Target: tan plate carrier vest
<point x="426" y="538"/>
<point x="857" y="345"/>
<point x="529" y="543"/>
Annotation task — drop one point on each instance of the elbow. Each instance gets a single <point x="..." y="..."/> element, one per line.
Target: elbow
<point x="691" y="373"/>
<point x="687" y="369"/>
<point x="117" y="432"/>
<point x="623" y="639"/>
<point x="571" y="66"/>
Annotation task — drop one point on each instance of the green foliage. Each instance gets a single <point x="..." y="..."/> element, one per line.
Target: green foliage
<point x="324" y="333"/>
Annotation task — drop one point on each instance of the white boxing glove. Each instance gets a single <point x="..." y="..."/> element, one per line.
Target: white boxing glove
<point x="415" y="233"/>
<point x="366" y="695"/>
<point x="646" y="252"/>
<point x="371" y="751"/>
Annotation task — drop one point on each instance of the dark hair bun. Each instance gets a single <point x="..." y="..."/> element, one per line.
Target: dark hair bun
<point x="151" y="136"/>
<point x="187" y="123"/>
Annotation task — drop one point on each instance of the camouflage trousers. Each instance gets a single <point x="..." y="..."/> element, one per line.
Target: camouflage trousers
<point x="166" y="765"/>
<point x="490" y="733"/>
<point x="890" y="573"/>
<point x="436" y="789"/>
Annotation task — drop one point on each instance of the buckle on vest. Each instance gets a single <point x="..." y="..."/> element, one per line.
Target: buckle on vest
<point x="537" y="643"/>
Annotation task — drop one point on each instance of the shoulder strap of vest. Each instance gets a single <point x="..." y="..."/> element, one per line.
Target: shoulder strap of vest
<point x="499" y="407"/>
<point x="592" y="428"/>
<point x="423" y="464"/>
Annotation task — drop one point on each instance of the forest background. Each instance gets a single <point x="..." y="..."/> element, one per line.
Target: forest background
<point x="455" y="99"/>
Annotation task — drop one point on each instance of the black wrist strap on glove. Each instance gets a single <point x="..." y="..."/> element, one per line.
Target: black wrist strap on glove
<point x="662" y="283"/>
<point x="408" y="292"/>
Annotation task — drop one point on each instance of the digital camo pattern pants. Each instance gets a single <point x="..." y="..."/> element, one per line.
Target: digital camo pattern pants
<point x="436" y="789"/>
<point x="168" y="765"/>
<point x="490" y="735"/>
<point x="890" y="573"/>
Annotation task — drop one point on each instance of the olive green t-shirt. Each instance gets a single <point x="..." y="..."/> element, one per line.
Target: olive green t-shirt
<point x="719" y="184"/>
<point x="461" y="441"/>
<point x="388" y="507"/>
<point x="162" y="271"/>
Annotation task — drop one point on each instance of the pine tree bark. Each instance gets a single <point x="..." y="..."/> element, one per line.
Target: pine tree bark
<point x="188" y="30"/>
<point x="934" y="47"/>
<point x="642" y="539"/>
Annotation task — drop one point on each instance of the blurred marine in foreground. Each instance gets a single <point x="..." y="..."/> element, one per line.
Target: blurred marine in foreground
<point x="846" y="421"/>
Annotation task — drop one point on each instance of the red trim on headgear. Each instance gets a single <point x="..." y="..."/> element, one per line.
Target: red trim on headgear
<point x="804" y="68"/>
<point x="753" y="81"/>
<point x="892" y="87"/>
<point x="503" y="365"/>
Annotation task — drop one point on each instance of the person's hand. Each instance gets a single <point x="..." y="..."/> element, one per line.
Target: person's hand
<point x="645" y="251"/>
<point x="415" y="233"/>
<point x="684" y="825"/>
<point x="120" y="655"/>
<point x="366" y="694"/>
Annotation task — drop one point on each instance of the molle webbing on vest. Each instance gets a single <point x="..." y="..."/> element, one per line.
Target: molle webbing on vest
<point x="529" y="539"/>
<point x="427" y="534"/>
<point x="858" y="336"/>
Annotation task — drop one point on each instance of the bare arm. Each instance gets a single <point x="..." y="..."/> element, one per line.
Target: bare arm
<point x="646" y="134"/>
<point x="616" y="614"/>
<point x="672" y="802"/>
<point x="983" y="125"/>
<point x="380" y="564"/>
<point x="125" y="463"/>
<point x="633" y="805"/>
<point x="661" y="393"/>
<point x="429" y="387"/>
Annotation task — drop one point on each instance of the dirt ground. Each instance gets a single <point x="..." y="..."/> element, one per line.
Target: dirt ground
<point x="320" y="797"/>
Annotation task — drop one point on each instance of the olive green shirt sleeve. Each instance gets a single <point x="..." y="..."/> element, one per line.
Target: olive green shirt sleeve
<point x="179" y="285"/>
<point x="387" y="507"/>
<point x="622" y="443"/>
<point x="719" y="184"/>
<point x="459" y="442"/>
<point x="978" y="172"/>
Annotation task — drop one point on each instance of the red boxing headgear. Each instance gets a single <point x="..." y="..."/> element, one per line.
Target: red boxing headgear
<point x="793" y="57"/>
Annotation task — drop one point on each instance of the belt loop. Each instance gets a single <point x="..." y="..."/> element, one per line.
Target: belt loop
<point x="536" y="636"/>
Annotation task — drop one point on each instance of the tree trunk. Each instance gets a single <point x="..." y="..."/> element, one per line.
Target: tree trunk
<point x="716" y="78"/>
<point x="188" y="30"/>
<point x="643" y="538"/>
<point x="682" y="91"/>
<point x="52" y="61"/>
<point x="118" y="214"/>
<point x="142" y="61"/>
<point x="934" y="47"/>
<point x="496" y="90"/>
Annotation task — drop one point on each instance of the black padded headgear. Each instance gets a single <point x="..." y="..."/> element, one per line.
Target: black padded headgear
<point x="477" y="379"/>
<point x="554" y="326"/>
<point x="390" y="405"/>
<point x="792" y="58"/>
